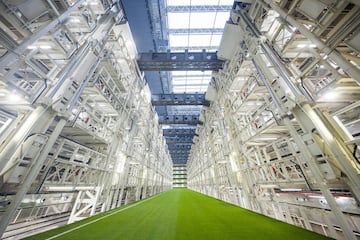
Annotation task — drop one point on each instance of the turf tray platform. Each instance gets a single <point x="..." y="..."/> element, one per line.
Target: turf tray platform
<point x="179" y="214"/>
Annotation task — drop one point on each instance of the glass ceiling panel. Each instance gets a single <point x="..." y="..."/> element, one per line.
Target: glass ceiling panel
<point x="215" y="40"/>
<point x="221" y="18"/>
<point x="178" y="40"/>
<point x="202" y="19"/>
<point x="197" y="20"/>
<point x="199" y="40"/>
<point x="178" y="20"/>
<point x="207" y="39"/>
<point x="191" y="82"/>
<point x="190" y="89"/>
<point x="178" y="3"/>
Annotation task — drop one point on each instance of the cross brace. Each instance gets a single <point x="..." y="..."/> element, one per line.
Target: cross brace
<point x="179" y="61"/>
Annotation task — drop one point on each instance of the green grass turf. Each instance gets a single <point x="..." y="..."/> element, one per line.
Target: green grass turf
<point x="182" y="214"/>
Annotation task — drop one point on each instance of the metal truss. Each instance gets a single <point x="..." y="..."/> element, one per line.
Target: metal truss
<point x="175" y="61"/>
<point x="178" y="99"/>
<point x="273" y="141"/>
<point x="179" y="139"/>
<point x="195" y="48"/>
<point x="179" y="119"/>
<point x="179" y="132"/>
<point x="177" y="146"/>
<point x="208" y="8"/>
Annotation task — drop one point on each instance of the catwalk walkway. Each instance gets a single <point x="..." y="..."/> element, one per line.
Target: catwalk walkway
<point x="179" y="214"/>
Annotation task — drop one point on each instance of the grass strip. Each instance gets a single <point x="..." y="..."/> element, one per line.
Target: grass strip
<point x="204" y="217"/>
<point x="180" y="214"/>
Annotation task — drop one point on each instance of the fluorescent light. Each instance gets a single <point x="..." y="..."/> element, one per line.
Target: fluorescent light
<point x="312" y="45"/>
<point x="31" y="47"/>
<point x="301" y="45"/>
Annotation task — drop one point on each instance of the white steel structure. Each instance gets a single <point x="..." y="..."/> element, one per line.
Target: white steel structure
<point x="78" y="133"/>
<point x="281" y="135"/>
<point x="79" y="136"/>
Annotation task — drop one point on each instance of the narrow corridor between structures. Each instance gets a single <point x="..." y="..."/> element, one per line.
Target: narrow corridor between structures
<point x="179" y="214"/>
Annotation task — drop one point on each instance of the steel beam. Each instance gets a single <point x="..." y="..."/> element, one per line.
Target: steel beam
<point x="179" y="61"/>
<point x="209" y="8"/>
<point x="179" y="132"/>
<point x="179" y="160"/>
<point x="181" y="139"/>
<point x="179" y="119"/>
<point x="179" y="99"/>
<point x="179" y="156"/>
<point x="186" y="147"/>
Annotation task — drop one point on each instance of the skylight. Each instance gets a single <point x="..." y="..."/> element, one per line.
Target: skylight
<point x="190" y="81"/>
<point x="195" y="25"/>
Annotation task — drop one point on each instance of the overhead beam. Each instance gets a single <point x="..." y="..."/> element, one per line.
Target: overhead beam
<point x="185" y="154"/>
<point x="181" y="139"/>
<point x="179" y="61"/>
<point x="179" y="152"/>
<point x="180" y="156"/>
<point x="178" y="160"/>
<point x="179" y="99"/>
<point x="179" y="119"/>
<point x="195" y="48"/>
<point x="200" y="8"/>
<point x="179" y="146"/>
<point x="179" y="132"/>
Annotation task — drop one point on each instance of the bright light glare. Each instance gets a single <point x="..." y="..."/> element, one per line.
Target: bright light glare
<point x="14" y="98"/>
<point x="75" y="20"/>
<point x="332" y="95"/>
<point x="45" y="47"/>
<point x="41" y="47"/>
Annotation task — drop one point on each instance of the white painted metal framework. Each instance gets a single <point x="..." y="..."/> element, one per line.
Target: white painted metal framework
<point x="281" y="135"/>
<point x="77" y="130"/>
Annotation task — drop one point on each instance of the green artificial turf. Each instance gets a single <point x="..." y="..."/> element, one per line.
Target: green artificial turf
<point x="181" y="214"/>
